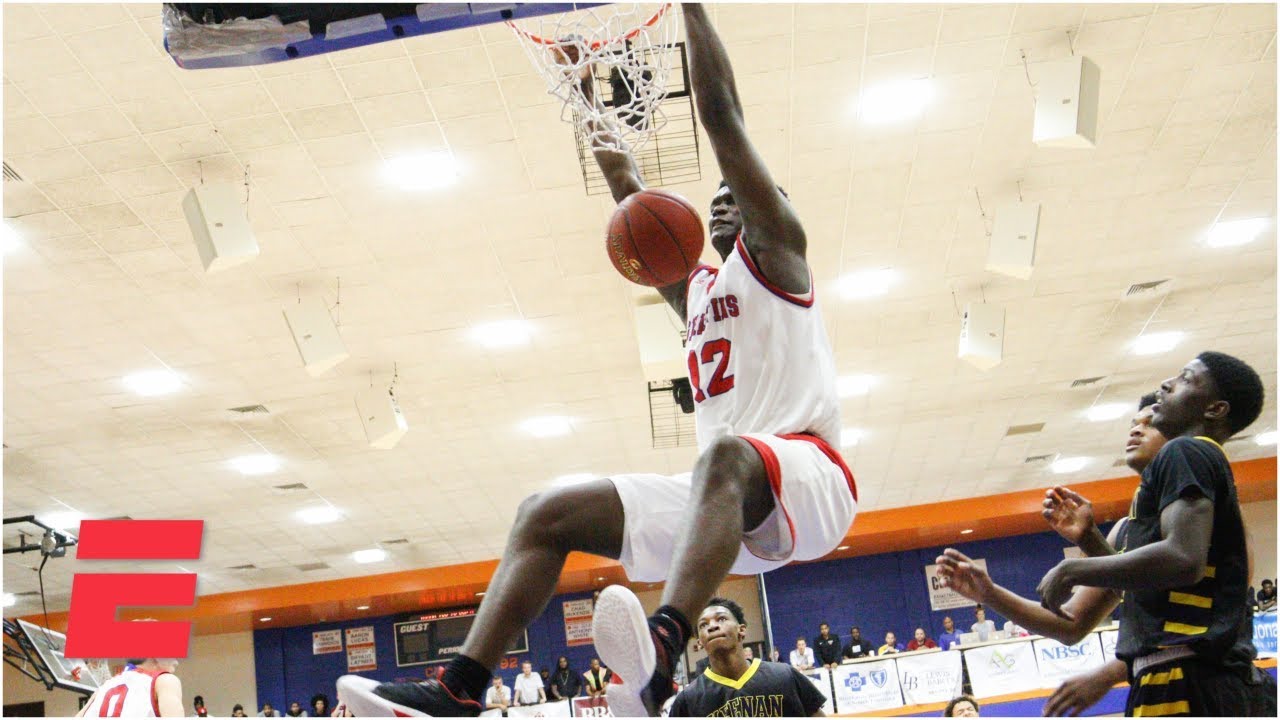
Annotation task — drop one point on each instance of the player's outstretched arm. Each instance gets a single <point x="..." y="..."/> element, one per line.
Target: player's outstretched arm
<point x="1070" y="514"/>
<point x="773" y="232"/>
<point x="1079" y="693"/>
<point x="169" y="696"/>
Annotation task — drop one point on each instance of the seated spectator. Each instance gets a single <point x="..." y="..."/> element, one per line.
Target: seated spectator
<point x="828" y="647"/>
<point x="498" y="695"/>
<point x="963" y="706"/>
<point x="320" y="705"/>
<point x="802" y="656"/>
<point x="597" y="678"/>
<point x="775" y="655"/>
<point x="748" y="653"/>
<point x="950" y="636"/>
<point x="1267" y="596"/>
<point x="295" y="710"/>
<point x="1014" y="629"/>
<point x="858" y="647"/>
<point x="982" y="625"/>
<point x="529" y="690"/>
<point x="197" y="702"/>
<point x="268" y="711"/>
<point x="890" y="645"/>
<point x="565" y="683"/>
<point x="237" y="710"/>
<point x="921" y="641"/>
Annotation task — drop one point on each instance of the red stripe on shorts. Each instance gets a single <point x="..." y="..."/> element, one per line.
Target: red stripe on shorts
<point x="774" y="471"/>
<point x="832" y="455"/>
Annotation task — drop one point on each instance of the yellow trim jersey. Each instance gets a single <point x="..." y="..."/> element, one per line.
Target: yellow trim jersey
<point x="766" y="689"/>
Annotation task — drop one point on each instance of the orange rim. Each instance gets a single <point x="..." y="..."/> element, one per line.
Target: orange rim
<point x="597" y="44"/>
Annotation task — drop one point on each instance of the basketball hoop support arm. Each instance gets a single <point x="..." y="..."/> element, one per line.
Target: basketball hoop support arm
<point x="64" y="540"/>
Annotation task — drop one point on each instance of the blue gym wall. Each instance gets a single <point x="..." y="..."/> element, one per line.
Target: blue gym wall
<point x="876" y="592"/>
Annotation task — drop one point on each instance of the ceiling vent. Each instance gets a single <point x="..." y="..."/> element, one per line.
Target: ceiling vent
<point x="397" y="541"/>
<point x="291" y="487"/>
<point x="250" y="566"/>
<point x="1086" y="382"/>
<point x="1139" y="291"/>
<point x="1038" y="458"/>
<point x="11" y="175"/>
<point x="1024" y="429"/>
<point x="308" y="567"/>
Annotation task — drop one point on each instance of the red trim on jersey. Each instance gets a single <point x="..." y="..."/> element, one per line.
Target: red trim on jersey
<point x="755" y="271"/>
<point x="773" y="469"/>
<point x="694" y="274"/>
<point x="155" y="696"/>
<point x="832" y="455"/>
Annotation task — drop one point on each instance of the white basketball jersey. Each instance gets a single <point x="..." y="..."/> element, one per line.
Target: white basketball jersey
<point x="131" y="694"/>
<point x="759" y="358"/>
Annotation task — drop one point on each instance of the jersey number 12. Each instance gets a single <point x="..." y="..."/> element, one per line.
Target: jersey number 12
<point x="720" y="383"/>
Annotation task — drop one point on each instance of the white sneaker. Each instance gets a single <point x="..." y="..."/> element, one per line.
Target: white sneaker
<point x="621" y="632"/>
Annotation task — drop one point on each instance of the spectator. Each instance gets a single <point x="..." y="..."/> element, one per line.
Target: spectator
<point x="963" y="706"/>
<point x="921" y="641"/>
<point x="1013" y="629"/>
<point x="828" y="647"/>
<point x="748" y="653"/>
<point x="320" y="705"/>
<point x="295" y="710"/>
<point x="528" y="689"/>
<point x="802" y="656"/>
<point x="950" y="636"/>
<point x="198" y="703"/>
<point x="498" y="695"/>
<point x="545" y="674"/>
<point x="982" y="625"/>
<point x="890" y="645"/>
<point x="237" y="710"/>
<point x="1267" y="596"/>
<point x="775" y="655"/>
<point x="268" y="711"/>
<point x="565" y="682"/>
<point x="858" y="646"/>
<point x="597" y="678"/>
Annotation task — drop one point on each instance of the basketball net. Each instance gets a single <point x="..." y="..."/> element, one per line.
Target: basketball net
<point x="628" y="49"/>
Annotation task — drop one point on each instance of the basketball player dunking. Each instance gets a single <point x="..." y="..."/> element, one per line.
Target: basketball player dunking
<point x="147" y="688"/>
<point x="769" y="486"/>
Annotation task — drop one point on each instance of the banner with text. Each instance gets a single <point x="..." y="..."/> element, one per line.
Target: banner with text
<point x="1109" y="640"/>
<point x="930" y="677"/>
<point x="361" y="650"/>
<point x="867" y="687"/>
<point x="591" y="707"/>
<point x="326" y="641"/>
<point x="1058" y="662"/>
<point x="1264" y="634"/>
<point x="577" y="622"/>
<point x="1002" y="669"/>
<point x="821" y="678"/>
<point x="559" y="708"/>
<point x="942" y="597"/>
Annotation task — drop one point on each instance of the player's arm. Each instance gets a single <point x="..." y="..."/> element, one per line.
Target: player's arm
<point x="1079" y="693"/>
<point x="1070" y="514"/>
<point x="169" y="695"/>
<point x="773" y="232"/>
<point x="87" y="704"/>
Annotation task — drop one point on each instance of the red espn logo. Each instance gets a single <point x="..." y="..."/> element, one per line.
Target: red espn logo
<point x="92" y="628"/>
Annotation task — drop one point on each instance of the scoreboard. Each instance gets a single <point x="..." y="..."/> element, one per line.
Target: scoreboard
<point x="438" y="637"/>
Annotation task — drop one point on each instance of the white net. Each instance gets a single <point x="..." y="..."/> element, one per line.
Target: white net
<point x="624" y="52"/>
<point x="100" y="670"/>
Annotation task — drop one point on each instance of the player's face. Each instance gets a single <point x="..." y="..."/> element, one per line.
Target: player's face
<point x="725" y="223"/>
<point x="1144" y="441"/>
<point x="964" y="708"/>
<point x="1183" y="399"/>
<point x="717" y="628"/>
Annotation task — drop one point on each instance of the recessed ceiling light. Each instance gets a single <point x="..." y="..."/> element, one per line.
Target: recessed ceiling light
<point x="1109" y="411"/>
<point x="362" y="607"/>
<point x="894" y="101"/>
<point x="850" y="385"/>
<point x="967" y="531"/>
<point x="1266" y="438"/>
<point x="480" y="594"/>
<point x="843" y="547"/>
<point x="259" y="464"/>
<point x="865" y="283"/>
<point x="502" y="333"/>
<point x="372" y="555"/>
<point x="66" y="520"/>
<point x="425" y="171"/>
<point x="1235" y="232"/>
<point x="1155" y="343"/>
<point x="8" y="239"/>
<point x="573" y="479"/>
<point x="10" y="599"/>
<point x="599" y="579"/>
<point x="547" y="426"/>
<point x="850" y="437"/>
<point x="153" y="382"/>
<point x="319" y="515"/>
<point x="1069" y="464"/>
<point x="265" y="619"/>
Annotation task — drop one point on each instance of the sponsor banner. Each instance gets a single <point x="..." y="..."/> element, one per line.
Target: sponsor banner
<point x="930" y="677"/>
<point x="1264" y="634"/>
<point x="1109" y="639"/>
<point x="360" y="636"/>
<point x="821" y="678"/>
<point x="942" y="597"/>
<point x="591" y="707"/>
<point x="491" y="712"/>
<point x="362" y="658"/>
<point x="1058" y="662"/>
<point x="867" y="687"/>
<point x="326" y="641"/>
<point x="577" y="622"/>
<point x="1002" y="669"/>
<point x="552" y="709"/>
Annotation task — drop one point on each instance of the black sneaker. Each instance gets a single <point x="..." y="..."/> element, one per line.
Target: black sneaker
<point x="364" y="697"/>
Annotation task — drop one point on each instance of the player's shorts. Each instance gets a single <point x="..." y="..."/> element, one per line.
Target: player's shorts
<point x="813" y="490"/>
<point x="1190" y="686"/>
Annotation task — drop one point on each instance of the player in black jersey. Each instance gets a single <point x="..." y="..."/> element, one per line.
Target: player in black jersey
<point x="733" y="686"/>
<point x="1184" y="567"/>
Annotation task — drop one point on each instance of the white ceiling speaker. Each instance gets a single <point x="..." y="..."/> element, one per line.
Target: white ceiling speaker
<point x="982" y="335"/>
<point x="1067" y="103"/>
<point x="384" y="424"/>
<point x="316" y="336"/>
<point x="1013" y="240"/>
<point x="219" y="226"/>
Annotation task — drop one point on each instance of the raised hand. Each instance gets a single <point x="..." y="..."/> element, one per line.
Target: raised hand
<point x="964" y="576"/>
<point x="1069" y="513"/>
<point x="1079" y="693"/>
<point x="1056" y="587"/>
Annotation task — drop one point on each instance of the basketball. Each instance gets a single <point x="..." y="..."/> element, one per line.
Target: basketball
<point x="655" y="238"/>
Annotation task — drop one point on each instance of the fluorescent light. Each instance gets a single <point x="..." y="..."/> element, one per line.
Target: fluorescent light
<point x="10" y="599"/>
<point x="547" y="426"/>
<point x="259" y="464"/>
<point x="1062" y="466"/>
<point x="895" y="101"/>
<point x="371" y="555"/>
<point x="573" y="479"/>
<point x="1266" y="438"/>
<point x="865" y="283"/>
<point x="362" y="607"/>
<point x="503" y="333"/>
<point x="265" y="619"/>
<point x="425" y="171"/>
<point x="480" y="594"/>
<point x="8" y="239"/>
<point x="967" y="531"/>
<point x="1235" y="232"/>
<point x="1109" y="411"/>
<point x="850" y="437"/>
<point x="319" y="515"/>
<point x="153" y="382"/>
<point x="843" y="547"/>
<point x="1155" y="343"/>
<point x="850" y="385"/>
<point x="68" y="520"/>
<point x="599" y="579"/>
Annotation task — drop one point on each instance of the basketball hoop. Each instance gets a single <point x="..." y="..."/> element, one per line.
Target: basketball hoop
<point x="625" y="49"/>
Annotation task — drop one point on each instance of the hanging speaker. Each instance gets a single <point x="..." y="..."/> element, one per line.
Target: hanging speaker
<point x="219" y="226"/>
<point x="1067" y="104"/>
<point x="1013" y="240"/>
<point x="982" y="335"/>
<point x="384" y="424"/>
<point x="317" y="337"/>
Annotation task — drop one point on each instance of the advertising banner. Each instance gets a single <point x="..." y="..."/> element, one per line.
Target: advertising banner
<point x="867" y="687"/>
<point x="1109" y="640"/>
<point x="558" y="709"/>
<point x="326" y="641"/>
<point x="942" y="597"/>
<point x="821" y="678"/>
<point x="1002" y="669"/>
<point x="591" y="707"/>
<point x="1058" y="662"/>
<point x="1264" y="634"/>
<point x="931" y="677"/>
<point x="577" y="622"/>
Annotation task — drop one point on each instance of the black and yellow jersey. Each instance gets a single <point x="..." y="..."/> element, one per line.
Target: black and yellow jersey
<point x="766" y="689"/>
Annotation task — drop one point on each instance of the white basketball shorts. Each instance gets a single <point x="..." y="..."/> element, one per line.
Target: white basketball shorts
<point x="814" y="493"/>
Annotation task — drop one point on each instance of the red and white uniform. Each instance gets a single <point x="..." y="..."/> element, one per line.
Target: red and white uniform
<point x="131" y="694"/>
<point x="762" y="369"/>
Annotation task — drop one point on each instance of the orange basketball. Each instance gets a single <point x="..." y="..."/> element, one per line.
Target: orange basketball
<point x="655" y="238"/>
